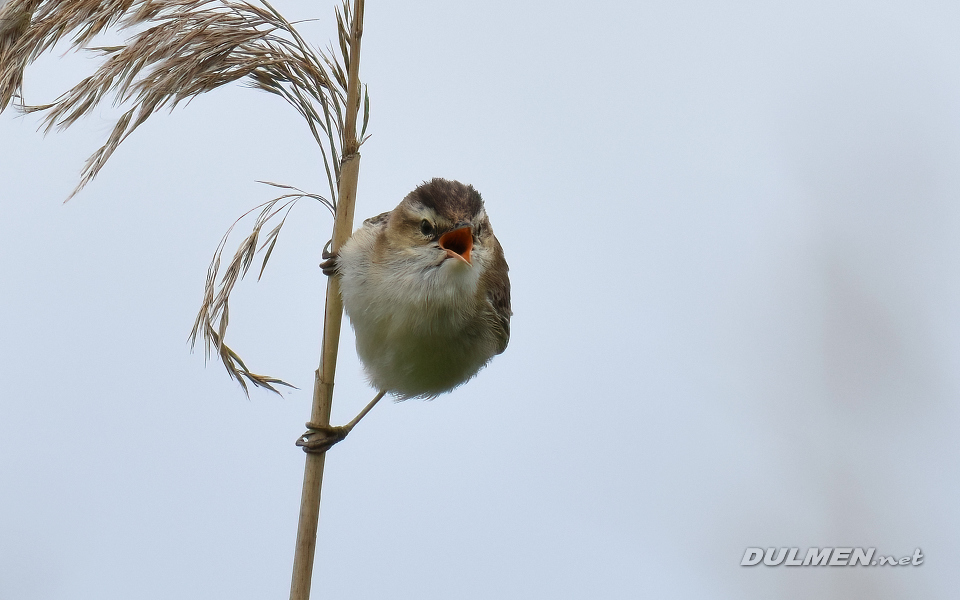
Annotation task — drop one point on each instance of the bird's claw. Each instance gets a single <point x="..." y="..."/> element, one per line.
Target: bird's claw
<point x="329" y="264"/>
<point x="320" y="438"/>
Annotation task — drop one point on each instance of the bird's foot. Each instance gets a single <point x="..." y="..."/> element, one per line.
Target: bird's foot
<point x="329" y="264"/>
<point x="320" y="438"/>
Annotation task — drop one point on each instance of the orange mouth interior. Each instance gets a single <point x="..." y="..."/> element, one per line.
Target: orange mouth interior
<point x="458" y="243"/>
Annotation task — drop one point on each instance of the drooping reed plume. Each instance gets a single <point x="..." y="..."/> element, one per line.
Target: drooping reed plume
<point x="179" y="49"/>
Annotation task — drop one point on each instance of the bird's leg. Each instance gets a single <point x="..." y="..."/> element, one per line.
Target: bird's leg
<point x="329" y="264"/>
<point x="319" y="438"/>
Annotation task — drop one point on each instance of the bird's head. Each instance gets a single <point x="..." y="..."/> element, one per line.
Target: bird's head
<point x="442" y="225"/>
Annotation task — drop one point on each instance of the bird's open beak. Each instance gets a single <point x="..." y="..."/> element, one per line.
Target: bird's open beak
<point x="458" y="243"/>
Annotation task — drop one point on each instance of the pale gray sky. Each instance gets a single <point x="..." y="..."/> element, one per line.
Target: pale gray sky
<point x="733" y="237"/>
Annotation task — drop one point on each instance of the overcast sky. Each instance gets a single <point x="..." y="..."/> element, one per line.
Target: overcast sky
<point x="734" y="238"/>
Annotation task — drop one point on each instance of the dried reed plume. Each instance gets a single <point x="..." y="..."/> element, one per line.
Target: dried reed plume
<point x="179" y="49"/>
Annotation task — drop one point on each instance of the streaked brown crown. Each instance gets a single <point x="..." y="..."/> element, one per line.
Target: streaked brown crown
<point x="451" y="199"/>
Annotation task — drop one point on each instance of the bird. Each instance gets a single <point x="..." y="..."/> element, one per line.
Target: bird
<point x="427" y="291"/>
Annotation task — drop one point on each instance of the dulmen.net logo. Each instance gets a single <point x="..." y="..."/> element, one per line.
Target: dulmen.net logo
<point x="826" y="557"/>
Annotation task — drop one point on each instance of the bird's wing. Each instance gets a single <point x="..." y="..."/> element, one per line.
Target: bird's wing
<point x="378" y="221"/>
<point x="498" y="295"/>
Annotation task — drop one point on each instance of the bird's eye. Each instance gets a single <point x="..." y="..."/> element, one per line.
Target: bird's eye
<point x="426" y="228"/>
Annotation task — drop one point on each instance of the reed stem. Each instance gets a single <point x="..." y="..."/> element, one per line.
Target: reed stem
<point x="333" y="315"/>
